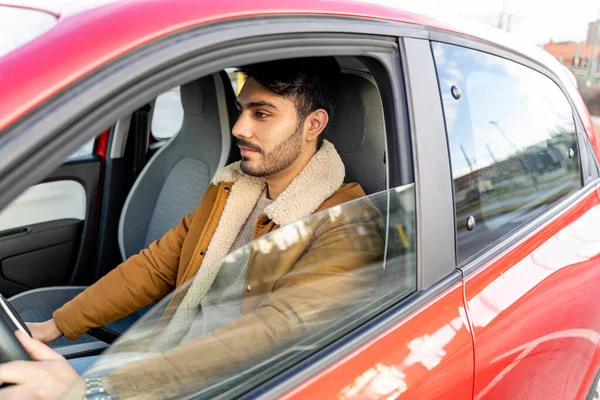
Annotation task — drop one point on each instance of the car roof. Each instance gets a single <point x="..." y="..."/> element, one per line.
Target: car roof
<point x="91" y="33"/>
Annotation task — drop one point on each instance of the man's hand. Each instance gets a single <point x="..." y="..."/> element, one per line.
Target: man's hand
<point x="45" y="332"/>
<point x="46" y="378"/>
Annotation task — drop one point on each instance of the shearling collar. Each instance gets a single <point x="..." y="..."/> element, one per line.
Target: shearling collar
<point x="319" y="180"/>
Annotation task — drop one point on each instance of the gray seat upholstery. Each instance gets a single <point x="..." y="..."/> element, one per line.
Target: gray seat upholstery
<point x="357" y="130"/>
<point x="173" y="182"/>
<point x="169" y="187"/>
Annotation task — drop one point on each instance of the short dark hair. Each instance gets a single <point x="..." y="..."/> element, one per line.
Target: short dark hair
<point x="311" y="83"/>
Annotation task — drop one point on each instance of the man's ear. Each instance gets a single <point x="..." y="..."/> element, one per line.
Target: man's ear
<point x="316" y="121"/>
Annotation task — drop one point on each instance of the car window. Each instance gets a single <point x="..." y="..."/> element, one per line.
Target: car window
<point x="85" y="150"/>
<point x="236" y="78"/>
<point x="331" y="272"/>
<point x="167" y="116"/>
<point x="512" y="140"/>
<point x="20" y="25"/>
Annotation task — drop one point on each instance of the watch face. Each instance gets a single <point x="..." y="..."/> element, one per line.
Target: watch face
<point x="95" y="390"/>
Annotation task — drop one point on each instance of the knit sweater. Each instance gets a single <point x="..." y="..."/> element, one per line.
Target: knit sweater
<point x="223" y="302"/>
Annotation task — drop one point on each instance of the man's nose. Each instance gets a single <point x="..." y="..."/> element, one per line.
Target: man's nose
<point x="242" y="127"/>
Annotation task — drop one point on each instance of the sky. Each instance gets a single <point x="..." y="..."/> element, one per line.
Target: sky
<point x="536" y="21"/>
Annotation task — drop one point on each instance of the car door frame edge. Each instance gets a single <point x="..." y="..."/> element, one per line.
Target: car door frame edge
<point x="435" y="199"/>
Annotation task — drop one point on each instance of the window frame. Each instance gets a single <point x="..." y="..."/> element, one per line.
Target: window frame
<point x="433" y="176"/>
<point x="496" y="248"/>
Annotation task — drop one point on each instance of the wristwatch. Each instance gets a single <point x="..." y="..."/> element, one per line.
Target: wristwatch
<point x="94" y="390"/>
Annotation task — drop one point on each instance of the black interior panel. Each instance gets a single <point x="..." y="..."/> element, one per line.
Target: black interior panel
<point x="88" y="172"/>
<point x="59" y="252"/>
<point x="119" y="175"/>
<point x="46" y="267"/>
<point x="38" y="255"/>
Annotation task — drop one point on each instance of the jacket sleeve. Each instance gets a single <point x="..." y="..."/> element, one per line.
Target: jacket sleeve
<point x="139" y="281"/>
<point x="336" y="271"/>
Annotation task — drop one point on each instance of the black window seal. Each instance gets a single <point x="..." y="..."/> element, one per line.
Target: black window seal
<point x="589" y="162"/>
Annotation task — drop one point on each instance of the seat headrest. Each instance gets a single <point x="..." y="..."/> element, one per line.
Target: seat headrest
<point x="358" y="133"/>
<point x="194" y="93"/>
<point x="186" y="162"/>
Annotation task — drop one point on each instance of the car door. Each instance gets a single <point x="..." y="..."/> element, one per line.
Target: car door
<point x="527" y="217"/>
<point x="421" y="332"/>
<point x="47" y="234"/>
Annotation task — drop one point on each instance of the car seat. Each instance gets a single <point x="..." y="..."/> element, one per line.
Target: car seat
<point x="169" y="187"/>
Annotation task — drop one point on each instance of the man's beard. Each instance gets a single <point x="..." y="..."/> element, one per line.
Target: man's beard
<point x="277" y="160"/>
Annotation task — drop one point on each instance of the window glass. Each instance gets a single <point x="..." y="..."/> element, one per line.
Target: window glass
<point x="20" y="25"/>
<point x="167" y="116"/>
<point x="85" y="150"/>
<point x="320" y="278"/>
<point x="512" y="140"/>
<point x="236" y="79"/>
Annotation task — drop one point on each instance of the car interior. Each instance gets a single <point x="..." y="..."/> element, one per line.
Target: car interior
<point x="137" y="187"/>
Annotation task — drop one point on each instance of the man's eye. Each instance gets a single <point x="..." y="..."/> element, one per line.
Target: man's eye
<point x="261" y="114"/>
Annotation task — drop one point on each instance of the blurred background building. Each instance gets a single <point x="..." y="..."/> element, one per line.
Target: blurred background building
<point x="569" y="30"/>
<point x="583" y="59"/>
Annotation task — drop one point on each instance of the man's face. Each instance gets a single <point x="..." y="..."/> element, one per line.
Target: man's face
<point x="268" y="132"/>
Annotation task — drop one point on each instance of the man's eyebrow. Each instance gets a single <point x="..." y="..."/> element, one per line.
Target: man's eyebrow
<point x="256" y="104"/>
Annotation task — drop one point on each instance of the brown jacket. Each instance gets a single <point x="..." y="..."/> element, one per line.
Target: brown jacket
<point x="287" y="294"/>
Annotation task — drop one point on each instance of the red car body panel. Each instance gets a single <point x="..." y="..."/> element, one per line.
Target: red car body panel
<point x="428" y="355"/>
<point x="535" y="311"/>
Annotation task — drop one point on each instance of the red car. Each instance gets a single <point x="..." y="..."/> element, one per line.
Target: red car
<point x="478" y="151"/>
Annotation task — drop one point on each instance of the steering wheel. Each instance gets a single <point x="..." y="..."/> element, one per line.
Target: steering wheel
<point x="10" y="321"/>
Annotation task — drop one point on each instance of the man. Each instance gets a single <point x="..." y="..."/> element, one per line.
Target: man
<point x="287" y="172"/>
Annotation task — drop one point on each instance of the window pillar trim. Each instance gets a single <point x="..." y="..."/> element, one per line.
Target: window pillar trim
<point x="436" y="251"/>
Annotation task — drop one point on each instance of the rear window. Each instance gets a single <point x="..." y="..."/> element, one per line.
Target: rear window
<point x="20" y="25"/>
<point x="167" y="118"/>
<point x="513" y="144"/>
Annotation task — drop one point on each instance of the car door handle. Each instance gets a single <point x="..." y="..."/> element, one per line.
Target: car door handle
<point x="14" y="232"/>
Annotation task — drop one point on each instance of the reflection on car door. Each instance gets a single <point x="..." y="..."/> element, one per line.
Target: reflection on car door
<point x="535" y="311"/>
<point x="428" y="355"/>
